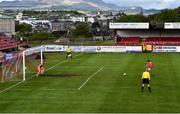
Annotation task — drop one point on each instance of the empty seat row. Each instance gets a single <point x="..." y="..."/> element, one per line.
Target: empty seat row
<point x="128" y="41"/>
<point x="7" y="43"/>
<point x="163" y="41"/>
<point x="148" y="41"/>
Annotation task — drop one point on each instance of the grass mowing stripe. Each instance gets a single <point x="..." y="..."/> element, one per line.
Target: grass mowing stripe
<point x="107" y="92"/>
<point x="61" y="63"/>
<point x="13" y="86"/>
<point x="90" y="78"/>
<point x="34" y="75"/>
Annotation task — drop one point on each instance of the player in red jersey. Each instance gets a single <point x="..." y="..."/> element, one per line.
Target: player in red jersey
<point x="40" y="69"/>
<point x="149" y="66"/>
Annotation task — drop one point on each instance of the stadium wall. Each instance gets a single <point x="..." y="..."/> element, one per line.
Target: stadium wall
<point x="122" y="49"/>
<point x="62" y="48"/>
<point x="99" y="49"/>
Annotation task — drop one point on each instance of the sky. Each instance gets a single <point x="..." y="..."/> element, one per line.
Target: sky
<point x="146" y="4"/>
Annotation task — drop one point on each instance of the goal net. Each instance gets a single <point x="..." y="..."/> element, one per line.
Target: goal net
<point x="21" y="66"/>
<point x="12" y="67"/>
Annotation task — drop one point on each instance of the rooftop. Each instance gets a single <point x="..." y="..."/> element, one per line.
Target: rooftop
<point x="5" y="17"/>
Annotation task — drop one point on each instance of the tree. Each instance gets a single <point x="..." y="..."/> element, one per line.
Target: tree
<point x="133" y="18"/>
<point x="81" y="31"/>
<point x="157" y="20"/>
<point x="96" y="24"/>
<point x="96" y="28"/>
<point x="23" y="28"/>
<point x="166" y="16"/>
<point x="41" y="36"/>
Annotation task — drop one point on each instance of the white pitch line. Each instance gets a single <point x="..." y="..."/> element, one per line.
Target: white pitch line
<point x="90" y="78"/>
<point x="34" y="75"/>
<point x="46" y="89"/>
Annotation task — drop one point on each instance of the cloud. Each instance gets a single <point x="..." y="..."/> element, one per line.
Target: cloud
<point x="158" y="4"/>
<point x="6" y="0"/>
<point x="169" y="1"/>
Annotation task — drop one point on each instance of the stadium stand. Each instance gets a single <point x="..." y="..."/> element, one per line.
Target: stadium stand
<point x="143" y="34"/>
<point x="7" y="43"/>
<point x="128" y="41"/>
<point x="133" y="41"/>
<point x="162" y="41"/>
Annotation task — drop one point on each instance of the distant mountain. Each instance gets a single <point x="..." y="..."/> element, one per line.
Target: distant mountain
<point x="151" y="11"/>
<point x="132" y="10"/>
<point x="69" y="5"/>
<point x="81" y="4"/>
<point x="60" y="4"/>
<point x="19" y="3"/>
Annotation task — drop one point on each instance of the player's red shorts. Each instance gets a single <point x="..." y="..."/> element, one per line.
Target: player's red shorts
<point x="40" y="71"/>
<point x="149" y="69"/>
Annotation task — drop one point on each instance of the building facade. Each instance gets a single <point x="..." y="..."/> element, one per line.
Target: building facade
<point x="38" y="25"/>
<point x="61" y="25"/>
<point x="7" y="25"/>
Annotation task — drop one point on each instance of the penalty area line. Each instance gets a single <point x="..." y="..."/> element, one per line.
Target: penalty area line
<point x="35" y="75"/>
<point x="90" y="78"/>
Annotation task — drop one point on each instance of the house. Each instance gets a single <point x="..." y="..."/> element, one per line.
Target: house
<point x="19" y="16"/>
<point x="61" y="25"/>
<point x="78" y="18"/>
<point x="90" y="19"/>
<point x="38" y="25"/>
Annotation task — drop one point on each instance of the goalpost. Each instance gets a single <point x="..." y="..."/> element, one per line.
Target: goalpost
<point x="26" y="56"/>
<point x="23" y="65"/>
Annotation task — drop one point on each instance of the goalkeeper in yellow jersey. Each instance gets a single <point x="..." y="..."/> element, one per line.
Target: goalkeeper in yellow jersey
<point x="69" y="53"/>
<point x="146" y="80"/>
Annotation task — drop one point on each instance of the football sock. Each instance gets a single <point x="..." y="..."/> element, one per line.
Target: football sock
<point x="149" y="89"/>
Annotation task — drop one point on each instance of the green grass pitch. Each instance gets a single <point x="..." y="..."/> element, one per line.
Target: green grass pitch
<point x="95" y="83"/>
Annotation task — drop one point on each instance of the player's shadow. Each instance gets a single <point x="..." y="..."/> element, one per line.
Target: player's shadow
<point x="60" y="75"/>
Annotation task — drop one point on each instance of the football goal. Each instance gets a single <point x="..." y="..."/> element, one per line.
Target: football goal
<point x="21" y="66"/>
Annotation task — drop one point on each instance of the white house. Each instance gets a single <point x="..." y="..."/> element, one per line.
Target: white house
<point x="90" y="19"/>
<point x="19" y="16"/>
<point x="78" y="18"/>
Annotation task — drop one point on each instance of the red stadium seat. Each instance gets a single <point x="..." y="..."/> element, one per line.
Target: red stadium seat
<point x="7" y="43"/>
<point x="163" y="41"/>
<point x="128" y="41"/>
